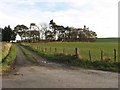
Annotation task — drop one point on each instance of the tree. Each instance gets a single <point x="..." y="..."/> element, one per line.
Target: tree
<point x="71" y="33"/>
<point x="53" y="27"/>
<point x="49" y="35"/>
<point x="34" y="32"/>
<point x="44" y="28"/>
<point x="21" y="30"/>
<point x="8" y="34"/>
<point x="13" y="35"/>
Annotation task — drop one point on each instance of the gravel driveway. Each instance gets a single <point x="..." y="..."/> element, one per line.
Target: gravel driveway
<point x="46" y="74"/>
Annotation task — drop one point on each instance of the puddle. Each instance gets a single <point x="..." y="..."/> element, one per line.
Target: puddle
<point x="44" y="61"/>
<point x="54" y="63"/>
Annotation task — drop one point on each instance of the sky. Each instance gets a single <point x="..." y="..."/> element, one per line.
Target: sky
<point x="100" y="16"/>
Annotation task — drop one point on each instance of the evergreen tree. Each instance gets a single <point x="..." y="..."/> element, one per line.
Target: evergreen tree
<point x="8" y="34"/>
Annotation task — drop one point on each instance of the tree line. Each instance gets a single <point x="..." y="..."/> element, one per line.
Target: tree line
<point x="71" y="33"/>
<point x="51" y="32"/>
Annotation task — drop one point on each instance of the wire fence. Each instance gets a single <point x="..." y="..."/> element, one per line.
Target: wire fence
<point x="76" y="52"/>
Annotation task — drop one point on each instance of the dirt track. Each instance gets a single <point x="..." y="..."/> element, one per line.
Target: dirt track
<point x="50" y="75"/>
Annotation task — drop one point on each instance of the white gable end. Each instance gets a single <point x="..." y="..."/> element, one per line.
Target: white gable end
<point x="18" y="37"/>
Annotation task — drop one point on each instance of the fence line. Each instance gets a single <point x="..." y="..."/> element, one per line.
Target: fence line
<point x="76" y="53"/>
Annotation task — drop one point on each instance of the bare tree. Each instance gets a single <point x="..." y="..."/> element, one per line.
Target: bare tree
<point x="43" y="29"/>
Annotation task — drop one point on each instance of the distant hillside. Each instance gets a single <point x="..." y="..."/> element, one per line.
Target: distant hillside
<point x="107" y="39"/>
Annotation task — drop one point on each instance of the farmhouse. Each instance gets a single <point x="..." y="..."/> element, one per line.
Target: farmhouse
<point x="17" y="39"/>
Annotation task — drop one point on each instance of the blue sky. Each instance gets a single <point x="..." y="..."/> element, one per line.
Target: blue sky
<point x="99" y="15"/>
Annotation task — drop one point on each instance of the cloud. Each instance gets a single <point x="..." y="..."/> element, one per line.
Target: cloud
<point x="99" y="15"/>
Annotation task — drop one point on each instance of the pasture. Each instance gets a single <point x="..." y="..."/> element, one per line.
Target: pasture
<point x="114" y="40"/>
<point x="68" y="48"/>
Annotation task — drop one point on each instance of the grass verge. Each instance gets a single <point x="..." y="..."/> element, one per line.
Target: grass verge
<point x="28" y="55"/>
<point x="9" y="59"/>
<point x="5" y="47"/>
<point x="71" y="60"/>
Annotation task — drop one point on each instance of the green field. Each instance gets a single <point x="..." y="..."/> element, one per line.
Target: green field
<point x="83" y="48"/>
<point x="107" y="40"/>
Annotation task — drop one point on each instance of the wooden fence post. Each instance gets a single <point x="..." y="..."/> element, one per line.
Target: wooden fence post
<point x="101" y="54"/>
<point x="114" y="55"/>
<point x="55" y="50"/>
<point x="89" y="55"/>
<point x="63" y="50"/>
<point x="50" y="49"/>
<point x="45" y="49"/>
<point x="76" y="52"/>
